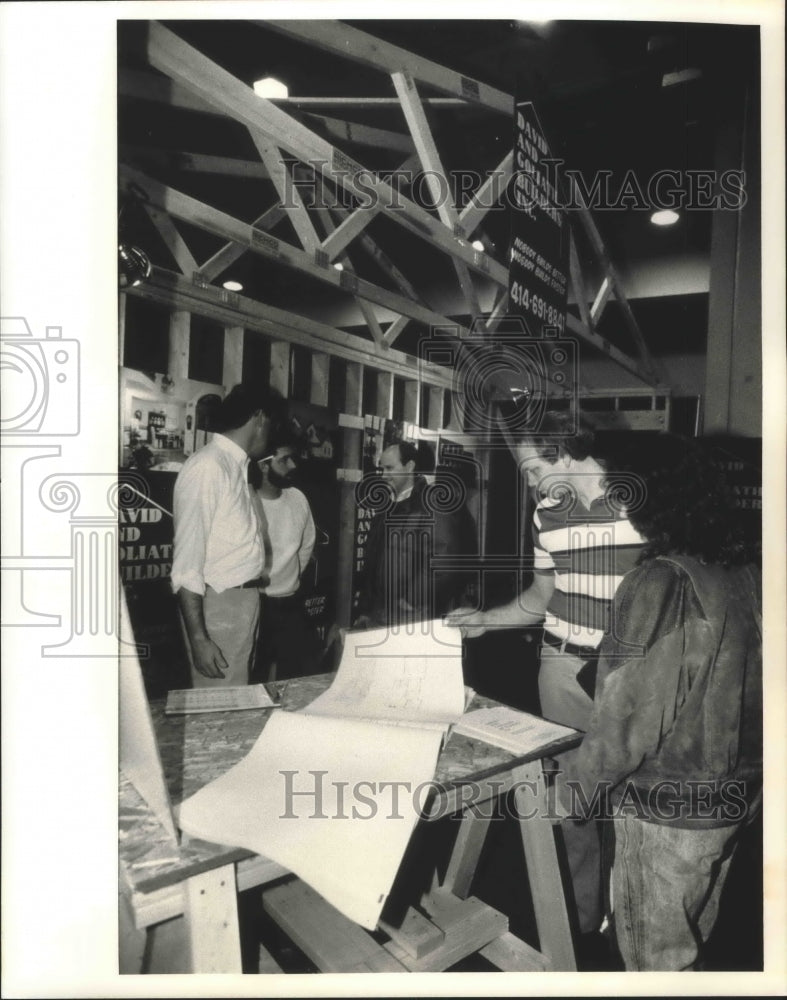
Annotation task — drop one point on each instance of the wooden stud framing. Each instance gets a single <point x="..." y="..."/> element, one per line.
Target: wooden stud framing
<point x="385" y="395"/>
<point x="281" y="356"/>
<point x="434" y="419"/>
<point x="175" y="291"/>
<point x="319" y="379"/>
<point x="179" y="331"/>
<point x="233" y="355"/>
<point x="412" y="401"/>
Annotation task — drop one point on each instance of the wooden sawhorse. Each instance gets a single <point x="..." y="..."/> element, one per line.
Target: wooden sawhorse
<point x="449" y="924"/>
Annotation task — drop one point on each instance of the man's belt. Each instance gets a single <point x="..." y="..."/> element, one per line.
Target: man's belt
<point x="583" y="652"/>
<point x="261" y="581"/>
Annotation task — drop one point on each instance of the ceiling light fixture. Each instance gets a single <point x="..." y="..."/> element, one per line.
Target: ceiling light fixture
<point x="478" y="245"/>
<point x="133" y="266"/>
<point x="665" y="217"/>
<point x="269" y="87"/>
<point x="233" y="286"/>
<point x="339" y="266"/>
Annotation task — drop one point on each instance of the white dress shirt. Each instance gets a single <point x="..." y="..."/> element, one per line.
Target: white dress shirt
<point x="217" y="540"/>
<point x="292" y="534"/>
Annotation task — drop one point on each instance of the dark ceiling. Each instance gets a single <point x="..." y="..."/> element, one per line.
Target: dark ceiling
<point x="598" y="89"/>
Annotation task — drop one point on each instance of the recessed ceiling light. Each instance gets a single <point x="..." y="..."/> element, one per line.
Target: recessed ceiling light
<point x="478" y="245"/>
<point x="233" y="286"/>
<point x="339" y="266"/>
<point x="666" y="217"/>
<point x="270" y="87"/>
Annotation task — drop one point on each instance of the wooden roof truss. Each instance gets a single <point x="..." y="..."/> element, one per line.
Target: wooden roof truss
<point x="328" y="236"/>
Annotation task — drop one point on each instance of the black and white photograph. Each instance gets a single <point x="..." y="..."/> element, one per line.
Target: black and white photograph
<point x="393" y="540"/>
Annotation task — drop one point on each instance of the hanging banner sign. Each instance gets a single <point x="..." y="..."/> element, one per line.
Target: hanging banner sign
<point x="538" y="269"/>
<point x="146" y="531"/>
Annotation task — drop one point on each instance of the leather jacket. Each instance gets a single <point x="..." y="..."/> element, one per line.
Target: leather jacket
<point x="676" y="732"/>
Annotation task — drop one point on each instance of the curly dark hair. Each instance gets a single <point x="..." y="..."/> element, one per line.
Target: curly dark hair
<point x="683" y="502"/>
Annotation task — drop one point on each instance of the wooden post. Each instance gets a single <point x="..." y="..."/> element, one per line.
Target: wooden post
<point x="179" y="330"/>
<point x="434" y="418"/>
<point x="233" y="355"/>
<point x="321" y="366"/>
<point x="352" y="446"/>
<point x="385" y="395"/>
<point x="412" y="401"/>
<point x="280" y="367"/>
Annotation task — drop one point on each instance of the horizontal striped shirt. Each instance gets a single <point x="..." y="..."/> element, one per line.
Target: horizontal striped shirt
<point x="588" y="550"/>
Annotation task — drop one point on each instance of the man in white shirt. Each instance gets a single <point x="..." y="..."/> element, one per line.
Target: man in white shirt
<point x="288" y="644"/>
<point x="219" y="559"/>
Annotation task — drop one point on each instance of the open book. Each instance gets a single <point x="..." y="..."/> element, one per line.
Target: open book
<point x="512" y="730"/>
<point x="217" y="699"/>
<point x="333" y="791"/>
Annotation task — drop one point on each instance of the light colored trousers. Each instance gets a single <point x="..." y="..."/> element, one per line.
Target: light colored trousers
<point x="231" y="618"/>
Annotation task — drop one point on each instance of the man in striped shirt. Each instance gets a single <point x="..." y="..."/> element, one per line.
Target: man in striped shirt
<point x="583" y="544"/>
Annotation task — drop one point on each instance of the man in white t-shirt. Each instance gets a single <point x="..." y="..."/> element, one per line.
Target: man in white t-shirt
<point x="288" y="644"/>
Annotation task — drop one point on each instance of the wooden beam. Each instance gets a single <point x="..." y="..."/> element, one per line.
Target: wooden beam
<point x="435" y="174"/>
<point x="395" y="329"/>
<point x="342" y="40"/>
<point x="353" y="224"/>
<point x="231" y="252"/>
<point x="288" y="193"/>
<point x="602" y="297"/>
<point x="574" y="325"/>
<point x="175" y="291"/>
<point x="198" y="163"/>
<point x="366" y="310"/>
<point x="364" y="102"/>
<point x="487" y="196"/>
<point x="151" y="87"/>
<point x="575" y="271"/>
<point x="205" y="217"/>
<point x="174" y="241"/>
<point x="363" y="135"/>
<point x="178" y="59"/>
<point x="597" y="243"/>
<point x="212" y="921"/>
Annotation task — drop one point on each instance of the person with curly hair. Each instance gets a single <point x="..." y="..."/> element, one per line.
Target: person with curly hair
<point x="673" y="751"/>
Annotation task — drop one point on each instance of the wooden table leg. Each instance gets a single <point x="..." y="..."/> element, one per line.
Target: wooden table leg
<point x="465" y="854"/>
<point x="543" y="869"/>
<point x="212" y="921"/>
